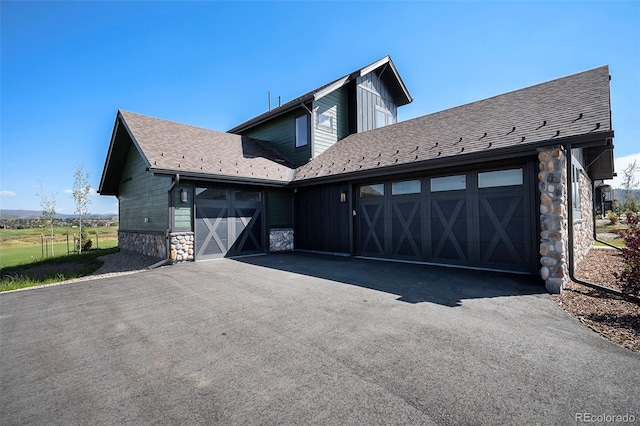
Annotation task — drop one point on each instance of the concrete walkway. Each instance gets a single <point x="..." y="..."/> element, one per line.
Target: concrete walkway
<point x="301" y="339"/>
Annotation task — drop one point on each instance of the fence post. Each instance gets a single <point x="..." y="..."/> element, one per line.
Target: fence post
<point x="42" y="244"/>
<point x="68" y="243"/>
<point x="97" y="240"/>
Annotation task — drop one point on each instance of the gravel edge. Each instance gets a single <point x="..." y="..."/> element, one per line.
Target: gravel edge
<point x="116" y="264"/>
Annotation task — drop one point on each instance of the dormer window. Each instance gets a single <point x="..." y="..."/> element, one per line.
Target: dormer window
<point x="383" y="117"/>
<point x="302" y="130"/>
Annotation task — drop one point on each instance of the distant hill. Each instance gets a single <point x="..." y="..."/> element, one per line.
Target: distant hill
<point x="32" y="214"/>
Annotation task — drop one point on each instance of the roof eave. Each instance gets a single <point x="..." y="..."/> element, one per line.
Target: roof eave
<point x="579" y="141"/>
<point x="226" y="179"/>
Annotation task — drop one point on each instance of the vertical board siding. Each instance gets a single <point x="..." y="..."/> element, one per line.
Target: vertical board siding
<point x="142" y="195"/>
<point x="280" y="208"/>
<point x="182" y="213"/>
<point x="334" y="105"/>
<point x="321" y="220"/>
<point x="281" y="133"/>
<point x="371" y="91"/>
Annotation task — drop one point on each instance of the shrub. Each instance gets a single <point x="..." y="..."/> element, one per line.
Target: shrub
<point x="629" y="278"/>
<point x="612" y="217"/>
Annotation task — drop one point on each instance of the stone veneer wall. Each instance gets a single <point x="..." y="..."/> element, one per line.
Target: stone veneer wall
<point x="552" y="182"/>
<point x="281" y="239"/>
<point x="583" y="228"/>
<point x="181" y="246"/>
<point x="147" y="243"/>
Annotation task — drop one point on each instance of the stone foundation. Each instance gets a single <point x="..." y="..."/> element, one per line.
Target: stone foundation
<point x="552" y="182"/>
<point x="181" y="246"/>
<point x="149" y="244"/>
<point x="281" y="239"/>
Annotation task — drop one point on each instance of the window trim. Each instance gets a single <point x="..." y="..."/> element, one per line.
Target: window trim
<point x="298" y="143"/>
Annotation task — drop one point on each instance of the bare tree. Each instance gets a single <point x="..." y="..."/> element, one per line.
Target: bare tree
<point x="629" y="183"/>
<point x="80" y="193"/>
<point x="48" y="204"/>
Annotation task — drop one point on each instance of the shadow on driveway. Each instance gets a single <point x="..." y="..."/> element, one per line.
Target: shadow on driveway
<point x="413" y="283"/>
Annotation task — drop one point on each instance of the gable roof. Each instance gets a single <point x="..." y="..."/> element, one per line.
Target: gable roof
<point x="171" y="148"/>
<point x="554" y="112"/>
<point x="386" y="67"/>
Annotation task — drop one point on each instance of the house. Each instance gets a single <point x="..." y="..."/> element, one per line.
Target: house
<point x="505" y="183"/>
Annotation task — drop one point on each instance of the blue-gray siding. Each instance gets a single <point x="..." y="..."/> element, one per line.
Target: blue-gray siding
<point x="371" y="92"/>
<point x="333" y="105"/>
<point x="182" y="211"/>
<point x="143" y="199"/>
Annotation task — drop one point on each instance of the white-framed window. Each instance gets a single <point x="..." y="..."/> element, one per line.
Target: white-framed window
<point x="383" y="117"/>
<point x="324" y="121"/>
<point x="302" y="130"/>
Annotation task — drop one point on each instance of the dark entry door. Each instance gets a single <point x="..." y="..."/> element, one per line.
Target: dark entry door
<point x="229" y="222"/>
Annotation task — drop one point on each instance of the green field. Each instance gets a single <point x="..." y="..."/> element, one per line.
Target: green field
<point x="21" y="246"/>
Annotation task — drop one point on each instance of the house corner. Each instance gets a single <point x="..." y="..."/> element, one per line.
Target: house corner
<point x="552" y="183"/>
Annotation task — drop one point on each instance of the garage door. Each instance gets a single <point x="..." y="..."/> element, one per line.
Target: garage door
<point x="229" y="222"/>
<point x="478" y="219"/>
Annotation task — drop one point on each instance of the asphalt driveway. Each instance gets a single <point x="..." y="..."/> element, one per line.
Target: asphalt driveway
<point x="304" y="339"/>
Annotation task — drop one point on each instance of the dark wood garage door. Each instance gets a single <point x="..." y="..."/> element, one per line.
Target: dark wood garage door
<point x="477" y="219"/>
<point x="229" y="222"/>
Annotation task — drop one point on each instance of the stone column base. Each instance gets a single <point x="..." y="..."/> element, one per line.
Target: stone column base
<point x="281" y="239"/>
<point x="181" y="246"/>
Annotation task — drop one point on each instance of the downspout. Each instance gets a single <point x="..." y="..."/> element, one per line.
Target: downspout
<point x="570" y="237"/>
<point x="167" y="233"/>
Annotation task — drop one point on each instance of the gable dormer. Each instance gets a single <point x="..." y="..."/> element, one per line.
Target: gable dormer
<point x="305" y="127"/>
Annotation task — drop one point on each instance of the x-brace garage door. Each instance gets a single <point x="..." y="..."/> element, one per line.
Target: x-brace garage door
<point x="228" y="223"/>
<point x="479" y="219"/>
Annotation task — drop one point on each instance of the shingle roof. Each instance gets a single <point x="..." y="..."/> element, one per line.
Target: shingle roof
<point x="184" y="149"/>
<point x="403" y="93"/>
<point x="551" y="111"/>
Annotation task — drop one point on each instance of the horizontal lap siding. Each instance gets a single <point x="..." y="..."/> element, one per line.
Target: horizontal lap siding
<point x="334" y="105"/>
<point x="280" y="132"/>
<point x="182" y="213"/>
<point x="142" y="195"/>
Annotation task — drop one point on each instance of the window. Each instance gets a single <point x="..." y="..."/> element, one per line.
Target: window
<point x="383" y="117"/>
<point x="448" y="183"/>
<point x="500" y="178"/>
<point x="324" y="122"/>
<point x="302" y="130"/>
<point x="405" y="187"/>
<point x="245" y="195"/>
<point x="375" y="190"/>
<point x="575" y="193"/>
<point x="211" y="194"/>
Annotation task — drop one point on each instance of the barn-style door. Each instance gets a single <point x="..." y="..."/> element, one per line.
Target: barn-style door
<point x="228" y="223"/>
<point x="478" y="219"/>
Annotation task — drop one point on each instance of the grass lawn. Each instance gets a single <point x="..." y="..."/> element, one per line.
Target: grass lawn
<point x="51" y="270"/>
<point x="21" y="246"/>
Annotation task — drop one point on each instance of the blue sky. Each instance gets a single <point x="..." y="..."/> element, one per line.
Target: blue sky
<point x="67" y="67"/>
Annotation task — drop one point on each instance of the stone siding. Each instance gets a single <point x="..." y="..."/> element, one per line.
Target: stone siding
<point x="150" y="244"/>
<point x="182" y="246"/>
<point x="583" y="227"/>
<point x="281" y="239"/>
<point x="552" y="182"/>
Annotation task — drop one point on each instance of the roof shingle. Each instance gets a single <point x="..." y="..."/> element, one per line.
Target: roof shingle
<point x="569" y="106"/>
<point x="171" y="146"/>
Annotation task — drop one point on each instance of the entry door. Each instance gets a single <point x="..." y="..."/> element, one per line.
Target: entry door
<point x="229" y="222"/>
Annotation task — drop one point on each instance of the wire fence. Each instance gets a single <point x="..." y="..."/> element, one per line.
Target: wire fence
<point x="67" y="243"/>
